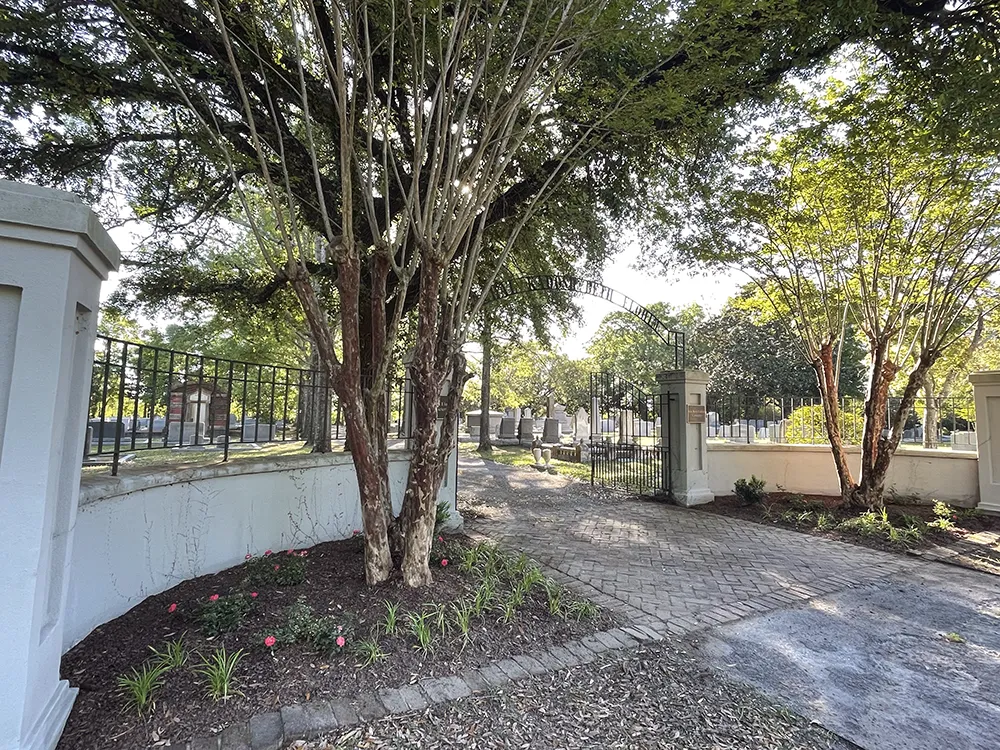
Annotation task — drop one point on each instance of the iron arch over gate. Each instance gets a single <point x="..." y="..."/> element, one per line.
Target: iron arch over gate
<point x="576" y="285"/>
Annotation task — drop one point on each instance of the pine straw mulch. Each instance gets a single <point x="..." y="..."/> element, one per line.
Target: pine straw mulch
<point x="658" y="696"/>
<point x="268" y="678"/>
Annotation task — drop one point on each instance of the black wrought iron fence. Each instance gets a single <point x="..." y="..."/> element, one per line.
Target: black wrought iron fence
<point x="147" y="397"/>
<point x="936" y="422"/>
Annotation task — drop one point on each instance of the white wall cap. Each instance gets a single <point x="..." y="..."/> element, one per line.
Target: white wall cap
<point x="25" y="206"/>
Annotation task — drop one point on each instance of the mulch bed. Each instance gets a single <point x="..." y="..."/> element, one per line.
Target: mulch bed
<point x="770" y="511"/>
<point x="286" y="674"/>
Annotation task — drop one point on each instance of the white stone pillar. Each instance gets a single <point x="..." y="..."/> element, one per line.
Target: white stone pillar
<point x="986" y="390"/>
<point x="684" y="434"/>
<point x="54" y="253"/>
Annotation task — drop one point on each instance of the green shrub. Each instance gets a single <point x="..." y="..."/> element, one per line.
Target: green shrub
<point x="441" y="515"/>
<point x="750" y="491"/>
<point x="277" y="569"/>
<point x="222" y="614"/>
<point x="322" y="633"/>
<point x="807" y="424"/>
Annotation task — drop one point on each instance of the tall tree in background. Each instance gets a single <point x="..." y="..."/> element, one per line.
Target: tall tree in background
<point x="623" y="344"/>
<point x="863" y="215"/>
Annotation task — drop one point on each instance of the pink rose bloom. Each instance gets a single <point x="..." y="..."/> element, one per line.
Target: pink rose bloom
<point x="267" y="553"/>
<point x="440" y="538"/>
<point x="357" y="531"/>
<point x="172" y="607"/>
<point x="270" y="641"/>
<point x="277" y="567"/>
<point x="444" y="563"/>
<point x="341" y="641"/>
<point x="303" y="553"/>
<point x="213" y="598"/>
<point x="253" y="594"/>
<point x="248" y="557"/>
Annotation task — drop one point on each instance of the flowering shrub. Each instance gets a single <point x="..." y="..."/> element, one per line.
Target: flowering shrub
<point x="277" y="569"/>
<point x="223" y="614"/>
<point x="323" y="633"/>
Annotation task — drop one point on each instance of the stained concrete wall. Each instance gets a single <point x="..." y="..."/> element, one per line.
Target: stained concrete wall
<point x="948" y="476"/>
<point x="139" y="535"/>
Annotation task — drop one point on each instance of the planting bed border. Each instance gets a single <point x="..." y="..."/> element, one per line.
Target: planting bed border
<point x="305" y="721"/>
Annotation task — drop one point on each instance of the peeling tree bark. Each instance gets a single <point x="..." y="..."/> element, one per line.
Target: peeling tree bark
<point x="829" y="388"/>
<point x="485" y="443"/>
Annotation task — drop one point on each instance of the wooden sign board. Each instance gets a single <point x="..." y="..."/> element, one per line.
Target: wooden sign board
<point x="696" y="414"/>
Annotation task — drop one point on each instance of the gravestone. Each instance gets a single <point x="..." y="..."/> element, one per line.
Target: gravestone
<point x="257" y="432"/>
<point x="107" y="432"/>
<point x="508" y="429"/>
<point x="582" y="419"/>
<point x="193" y="433"/>
<point x="964" y="440"/>
<point x="526" y="429"/>
<point x="551" y="431"/>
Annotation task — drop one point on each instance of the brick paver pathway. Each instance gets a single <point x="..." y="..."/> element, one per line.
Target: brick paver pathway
<point x="660" y="565"/>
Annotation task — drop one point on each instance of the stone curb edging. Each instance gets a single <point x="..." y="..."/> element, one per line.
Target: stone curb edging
<point x="307" y="721"/>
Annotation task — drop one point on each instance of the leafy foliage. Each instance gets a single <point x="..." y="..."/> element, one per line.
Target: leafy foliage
<point x="223" y="614"/>
<point x="750" y="491"/>
<point x="140" y="686"/>
<point x="218" y="671"/>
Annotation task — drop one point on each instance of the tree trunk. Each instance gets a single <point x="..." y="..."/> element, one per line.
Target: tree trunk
<point x="419" y="500"/>
<point x="871" y="486"/>
<point x="931" y="412"/>
<point x="485" y="443"/>
<point x="378" y="558"/>
<point x="829" y="388"/>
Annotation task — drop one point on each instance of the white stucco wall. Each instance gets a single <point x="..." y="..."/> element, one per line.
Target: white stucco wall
<point x="139" y="535"/>
<point x="950" y="477"/>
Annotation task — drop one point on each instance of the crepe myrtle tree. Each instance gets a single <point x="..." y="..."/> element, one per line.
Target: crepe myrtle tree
<point x="401" y="185"/>
<point x="388" y="139"/>
<point x="860" y="216"/>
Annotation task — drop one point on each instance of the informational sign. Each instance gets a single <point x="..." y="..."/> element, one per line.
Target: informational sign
<point x="696" y="414"/>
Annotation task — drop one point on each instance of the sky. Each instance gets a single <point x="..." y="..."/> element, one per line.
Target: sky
<point x="644" y="284"/>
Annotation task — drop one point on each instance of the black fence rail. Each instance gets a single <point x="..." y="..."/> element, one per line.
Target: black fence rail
<point x="642" y="469"/>
<point x="629" y="436"/>
<point x="936" y="422"/>
<point x="148" y="398"/>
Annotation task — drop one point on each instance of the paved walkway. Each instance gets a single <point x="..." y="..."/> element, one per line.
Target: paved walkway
<point x="890" y="652"/>
<point x="660" y="565"/>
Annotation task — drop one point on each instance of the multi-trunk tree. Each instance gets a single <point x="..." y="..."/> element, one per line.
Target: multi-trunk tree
<point x="390" y="144"/>
<point x="862" y="216"/>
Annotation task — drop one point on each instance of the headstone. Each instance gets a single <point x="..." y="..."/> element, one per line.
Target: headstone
<point x="964" y="440"/>
<point x="107" y="432"/>
<point x="526" y="429"/>
<point x="159" y="425"/>
<point x="508" y="429"/>
<point x="582" y="426"/>
<point x="257" y="432"/>
<point x="517" y="415"/>
<point x="527" y="414"/>
<point x="550" y="412"/>
<point x="193" y="433"/>
<point x="551" y="431"/>
<point x="560" y="414"/>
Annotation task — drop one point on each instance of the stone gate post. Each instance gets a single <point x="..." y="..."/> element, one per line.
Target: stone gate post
<point x="54" y="253"/>
<point x="685" y="437"/>
<point x="986" y="390"/>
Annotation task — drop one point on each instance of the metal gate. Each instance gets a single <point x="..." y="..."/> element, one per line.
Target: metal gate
<point x="630" y="437"/>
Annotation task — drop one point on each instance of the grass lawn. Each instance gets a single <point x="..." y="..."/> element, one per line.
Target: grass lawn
<point x="517" y="456"/>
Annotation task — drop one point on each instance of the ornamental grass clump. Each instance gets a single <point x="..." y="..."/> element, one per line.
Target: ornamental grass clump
<point x="140" y="686"/>
<point x="218" y="671"/>
<point x="173" y="655"/>
<point x="420" y="628"/>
